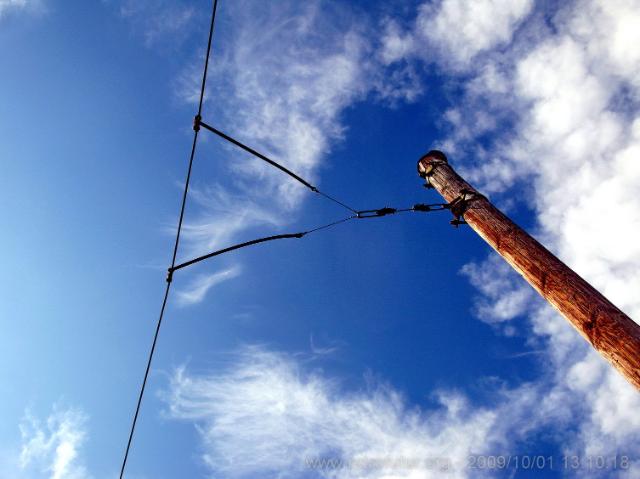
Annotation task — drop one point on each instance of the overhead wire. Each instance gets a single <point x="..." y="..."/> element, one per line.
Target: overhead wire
<point x="198" y="123"/>
<point x="176" y="243"/>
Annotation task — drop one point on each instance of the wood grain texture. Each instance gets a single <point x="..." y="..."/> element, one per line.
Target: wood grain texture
<point x="609" y="330"/>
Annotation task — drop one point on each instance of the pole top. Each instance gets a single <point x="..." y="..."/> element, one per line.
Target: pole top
<point x="425" y="164"/>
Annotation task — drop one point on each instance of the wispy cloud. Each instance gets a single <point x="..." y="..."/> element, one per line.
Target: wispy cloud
<point x="8" y="4"/>
<point x="318" y="350"/>
<point x="504" y="296"/>
<point x="53" y="448"/>
<point x="157" y="21"/>
<point x="221" y="216"/>
<point x="272" y="414"/>
<point x="196" y="290"/>
<point x="284" y="89"/>
<point x="268" y="415"/>
<point x="12" y="6"/>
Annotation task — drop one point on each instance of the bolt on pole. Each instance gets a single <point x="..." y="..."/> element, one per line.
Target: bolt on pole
<point x="611" y="332"/>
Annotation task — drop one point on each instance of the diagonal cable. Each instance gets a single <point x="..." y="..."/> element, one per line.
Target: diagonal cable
<point x="233" y="248"/>
<point x="256" y="154"/>
<point x="273" y="163"/>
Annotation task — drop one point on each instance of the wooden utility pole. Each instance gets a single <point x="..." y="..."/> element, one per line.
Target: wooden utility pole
<point x="609" y="330"/>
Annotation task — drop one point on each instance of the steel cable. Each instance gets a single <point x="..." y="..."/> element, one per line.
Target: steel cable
<point x="175" y="247"/>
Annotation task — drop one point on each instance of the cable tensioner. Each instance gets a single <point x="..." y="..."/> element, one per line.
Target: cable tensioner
<point x="375" y="213"/>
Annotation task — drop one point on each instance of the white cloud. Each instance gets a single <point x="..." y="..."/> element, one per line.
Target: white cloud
<point x="572" y="139"/>
<point x="196" y="290"/>
<point x="318" y="350"/>
<point x="287" y="73"/>
<point x="454" y="32"/>
<point x="613" y="39"/>
<point x="568" y="115"/>
<point x="159" y="20"/>
<point x="575" y="125"/>
<point x="281" y="78"/>
<point x="221" y="217"/>
<point x="504" y="296"/>
<point x="603" y="404"/>
<point x="8" y="6"/>
<point x="273" y="415"/>
<point x="53" y="448"/>
<point x="268" y="415"/>
<point x="461" y="29"/>
<point x="396" y="43"/>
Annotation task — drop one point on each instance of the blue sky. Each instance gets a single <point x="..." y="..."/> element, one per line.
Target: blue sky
<point x="382" y="339"/>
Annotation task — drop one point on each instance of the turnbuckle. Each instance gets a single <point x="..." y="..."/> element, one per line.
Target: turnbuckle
<point x="376" y="213"/>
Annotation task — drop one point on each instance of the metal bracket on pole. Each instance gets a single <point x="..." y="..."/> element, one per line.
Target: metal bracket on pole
<point x="460" y="205"/>
<point x="437" y="158"/>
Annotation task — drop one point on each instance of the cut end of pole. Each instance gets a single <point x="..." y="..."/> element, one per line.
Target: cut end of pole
<point x="425" y="163"/>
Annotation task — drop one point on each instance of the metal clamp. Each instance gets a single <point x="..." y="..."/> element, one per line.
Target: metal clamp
<point x="427" y="173"/>
<point x="436" y="157"/>
<point x="460" y="205"/>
